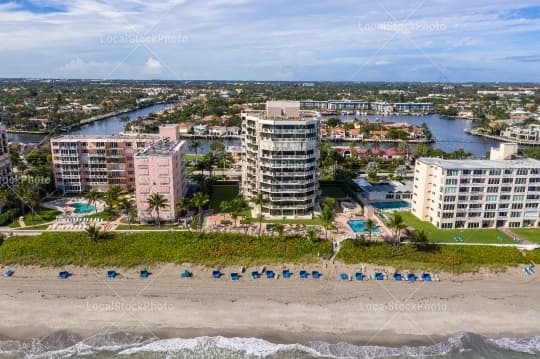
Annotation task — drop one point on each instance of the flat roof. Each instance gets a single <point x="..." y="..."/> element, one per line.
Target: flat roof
<point x="108" y="137"/>
<point x="479" y="164"/>
<point x="161" y="148"/>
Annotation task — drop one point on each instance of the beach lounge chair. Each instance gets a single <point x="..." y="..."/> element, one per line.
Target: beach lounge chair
<point x="287" y="274"/>
<point x="270" y="274"/>
<point x="528" y="270"/>
<point x="358" y="276"/>
<point x="398" y="276"/>
<point x="303" y="274"/>
<point x="315" y="274"/>
<point x="9" y="273"/>
<point x="344" y="276"/>
<point x="216" y="274"/>
<point x="111" y="274"/>
<point x="144" y="273"/>
<point x="411" y="277"/>
<point x="426" y="277"/>
<point x="255" y="275"/>
<point x="378" y="276"/>
<point x="186" y="274"/>
<point x="64" y="275"/>
<point x="235" y="276"/>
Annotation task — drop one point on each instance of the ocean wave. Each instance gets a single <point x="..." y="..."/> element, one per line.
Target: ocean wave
<point x="122" y="344"/>
<point x="529" y="345"/>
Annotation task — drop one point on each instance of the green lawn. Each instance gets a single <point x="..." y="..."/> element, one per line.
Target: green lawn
<point x="129" y="250"/>
<point x="443" y="257"/>
<point x="41" y="216"/>
<point x="103" y="215"/>
<point x="222" y="193"/>
<point x="484" y="235"/>
<point x="146" y="227"/>
<point x="530" y="234"/>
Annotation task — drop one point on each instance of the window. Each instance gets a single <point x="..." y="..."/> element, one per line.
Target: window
<point x="506" y="189"/>
<point x="493" y="189"/>
<point x="494" y="172"/>
<point x="515" y="224"/>
<point x="517" y="205"/>
<point x="448" y="215"/>
<point x="503" y="205"/>
<point x="491" y="198"/>
<point x="449" y="207"/>
<point x="473" y="225"/>
<point x="462" y="206"/>
<point x="450" y="190"/>
<point x="531" y="205"/>
<point x="451" y="181"/>
<point x="446" y="225"/>
<point x="466" y="172"/>
<point x="494" y="181"/>
<point x="476" y="198"/>
<point x="508" y="180"/>
<point x="508" y="171"/>
<point x="464" y="181"/>
<point x="519" y="189"/>
<point x="452" y="172"/>
<point x="522" y="172"/>
<point x="503" y="214"/>
<point x="515" y="214"/>
<point x="462" y="198"/>
<point x="449" y="198"/>
<point x="521" y="180"/>
<point x="478" y="172"/>
<point x="518" y="198"/>
<point x="505" y="197"/>
<point x="491" y="206"/>
<point x="489" y="215"/>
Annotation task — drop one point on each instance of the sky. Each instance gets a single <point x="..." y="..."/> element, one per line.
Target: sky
<point x="279" y="40"/>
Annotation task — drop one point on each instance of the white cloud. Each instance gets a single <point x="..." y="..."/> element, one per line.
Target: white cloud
<point x="153" y="66"/>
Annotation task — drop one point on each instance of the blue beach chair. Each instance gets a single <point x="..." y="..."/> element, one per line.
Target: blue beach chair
<point x="255" y="275"/>
<point x="358" y="276"/>
<point x="144" y="273"/>
<point x="411" y="277"/>
<point x="378" y="276"/>
<point x="270" y="274"/>
<point x="315" y="274"/>
<point x="64" y="275"/>
<point x="287" y="274"/>
<point x="235" y="276"/>
<point x="186" y="274"/>
<point x="426" y="277"/>
<point x="216" y="274"/>
<point x="112" y="274"/>
<point x="9" y="273"/>
<point x="344" y="276"/>
<point x="303" y="274"/>
<point x="398" y="277"/>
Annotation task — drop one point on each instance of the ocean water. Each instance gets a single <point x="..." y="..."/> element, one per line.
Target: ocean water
<point x="126" y="345"/>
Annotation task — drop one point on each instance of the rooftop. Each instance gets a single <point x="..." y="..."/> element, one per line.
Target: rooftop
<point x="163" y="147"/>
<point x="479" y="164"/>
<point x="152" y="136"/>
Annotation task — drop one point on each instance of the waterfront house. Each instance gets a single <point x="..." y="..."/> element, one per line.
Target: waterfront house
<point x="200" y="130"/>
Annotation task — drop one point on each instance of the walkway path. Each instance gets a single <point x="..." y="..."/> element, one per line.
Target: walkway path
<point x="511" y="234"/>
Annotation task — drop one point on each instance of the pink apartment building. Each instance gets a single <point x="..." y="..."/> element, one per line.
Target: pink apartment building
<point x="160" y="169"/>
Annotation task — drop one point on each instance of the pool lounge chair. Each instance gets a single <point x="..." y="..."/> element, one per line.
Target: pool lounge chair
<point x="235" y="276"/>
<point x="287" y="274"/>
<point x="216" y="274"/>
<point x="186" y="274"/>
<point x="426" y="277"/>
<point x="378" y="276"/>
<point x="270" y="274"/>
<point x="344" y="276"/>
<point x="9" y="273"/>
<point x="255" y="275"/>
<point x="315" y="274"/>
<point x="64" y="274"/>
<point x="303" y="274"/>
<point x="144" y="273"/>
<point x="112" y="274"/>
<point x="358" y="276"/>
<point x="411" y="277"/>
<point x="398" y="277"/>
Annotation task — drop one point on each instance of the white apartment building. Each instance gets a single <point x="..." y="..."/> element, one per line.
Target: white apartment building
<point x="529" y="133"/>
<point x="499" y="192"/>
<point x="281" y="158"/>
<point x="4" y="152"/>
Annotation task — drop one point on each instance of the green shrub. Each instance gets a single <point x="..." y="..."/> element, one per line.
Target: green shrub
<point x="10" y="215"/>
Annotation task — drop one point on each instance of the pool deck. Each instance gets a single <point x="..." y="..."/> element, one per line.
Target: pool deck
<point x="343" y="226"/>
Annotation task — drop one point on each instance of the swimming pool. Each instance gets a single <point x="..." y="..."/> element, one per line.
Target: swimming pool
<point x="82" y="208"/>
<point x="359" y="226"/>
<point x="391" y="205"/>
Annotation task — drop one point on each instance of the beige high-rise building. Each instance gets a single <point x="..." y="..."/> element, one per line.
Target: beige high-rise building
<point x="281" y="158"/>
<point x="503" y="191"/>
<point x="5" y="165"/>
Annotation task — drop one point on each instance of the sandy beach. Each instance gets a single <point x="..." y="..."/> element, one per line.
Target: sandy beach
<point x="35" y="303"/>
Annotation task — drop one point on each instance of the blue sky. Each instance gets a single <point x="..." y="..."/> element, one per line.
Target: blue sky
<point x="327" y="40"/>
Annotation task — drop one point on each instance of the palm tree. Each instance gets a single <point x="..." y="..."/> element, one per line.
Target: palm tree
<point x="127" y="205"/>
<point x="420" y="240"/>
<point x="183" y="205"/>
<point x="195" y="145"/>
<point x="280" y="228"/>
<point x="32" y="198"/>
<point x="93" y="233"/>
<point x="200" y="200"/>
<point x="396" y="223"/>
<point x="156" y="202"/>
<point x="370" y="227"/>
<point x="311" y="233"/>
<point x="111" y="196"/>
<point x="401" y="171"/>
<point x="92" y="197"/>
<point x="327" y="218"/>
<point x="260" y="201"/>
